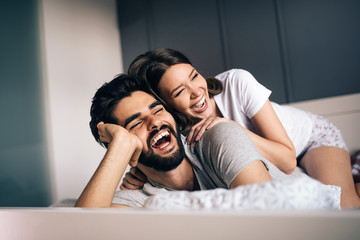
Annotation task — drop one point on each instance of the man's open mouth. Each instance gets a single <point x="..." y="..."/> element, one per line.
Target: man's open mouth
<point x="161" y="140"/>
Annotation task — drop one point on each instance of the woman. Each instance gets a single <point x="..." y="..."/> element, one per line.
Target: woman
<point x="286" y="136"/>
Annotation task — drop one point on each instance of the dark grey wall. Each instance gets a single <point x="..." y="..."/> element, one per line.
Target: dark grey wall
<point x="299" y="49"/>
<point x="24" y="173"/>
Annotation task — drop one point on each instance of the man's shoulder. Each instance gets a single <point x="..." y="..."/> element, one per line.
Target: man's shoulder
<point x="226" y="149"/>
<point x="225" y="138"/>
<point x="223" y="131"/>
<point x="227" y="142"/>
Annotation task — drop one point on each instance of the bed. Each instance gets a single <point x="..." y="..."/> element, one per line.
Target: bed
<point x="65" y="222"/>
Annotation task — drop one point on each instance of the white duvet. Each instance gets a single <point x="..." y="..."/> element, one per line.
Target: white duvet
<point x="297" y="193"/>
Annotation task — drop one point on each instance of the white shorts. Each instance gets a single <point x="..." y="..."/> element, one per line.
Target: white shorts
<point x="324" y="133"/>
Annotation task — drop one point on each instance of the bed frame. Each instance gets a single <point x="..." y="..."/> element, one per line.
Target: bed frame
<point x="66" y="223"/>
<point x="72" y="223"/>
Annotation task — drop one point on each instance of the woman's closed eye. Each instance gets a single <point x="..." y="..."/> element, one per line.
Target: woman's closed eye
<point x="179" y="92"/>
<point x="195" y="76"/>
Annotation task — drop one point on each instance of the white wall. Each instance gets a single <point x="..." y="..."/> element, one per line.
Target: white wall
<point x="81" y="50"/>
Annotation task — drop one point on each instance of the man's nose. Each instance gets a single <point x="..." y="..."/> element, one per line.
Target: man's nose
<point x="154" y="123"/>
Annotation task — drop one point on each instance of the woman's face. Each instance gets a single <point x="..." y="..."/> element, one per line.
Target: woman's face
<point x="184" y="89"/>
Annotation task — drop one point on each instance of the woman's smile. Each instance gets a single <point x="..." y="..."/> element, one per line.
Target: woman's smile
<point x="186" y="91"/>
<point x="200" y="106"/>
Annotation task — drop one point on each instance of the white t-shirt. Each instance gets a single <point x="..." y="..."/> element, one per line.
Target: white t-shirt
<point x="243" y="96"/>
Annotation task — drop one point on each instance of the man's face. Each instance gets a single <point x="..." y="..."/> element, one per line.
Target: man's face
<point x="144" y="116"/>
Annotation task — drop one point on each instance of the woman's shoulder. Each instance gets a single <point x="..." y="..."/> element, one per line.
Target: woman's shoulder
<point x="237" y="74"/>
<point x="236" y="77"/>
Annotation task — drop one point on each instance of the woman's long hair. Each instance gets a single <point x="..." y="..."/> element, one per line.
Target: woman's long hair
<point x="152" y="65"/>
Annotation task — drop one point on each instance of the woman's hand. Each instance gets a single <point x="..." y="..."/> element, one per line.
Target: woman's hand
<point x="199" y="128"/>
<point x="133" y="180"/>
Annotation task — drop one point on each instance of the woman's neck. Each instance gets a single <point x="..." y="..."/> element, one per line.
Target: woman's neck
<point x="216" y="111"/>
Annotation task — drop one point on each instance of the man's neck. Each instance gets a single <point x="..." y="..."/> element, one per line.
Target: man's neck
<point x="180" y="178"/>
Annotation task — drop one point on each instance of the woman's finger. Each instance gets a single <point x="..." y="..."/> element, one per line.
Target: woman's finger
<point x="131" y="179"/>
<point x="128" y="185"/>
<point x="204" y="127"/>
<point x="192" y="131"/>
<point x="122" y="187"/>
<point x="199" y="128"/>
<point x="216" y="121"/>
<point x="138" y="174"/>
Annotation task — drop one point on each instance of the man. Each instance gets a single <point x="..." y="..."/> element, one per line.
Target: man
<point x="138" y="130"/>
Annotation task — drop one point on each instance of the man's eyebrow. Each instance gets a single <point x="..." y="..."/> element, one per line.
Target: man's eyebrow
<point x="154" y="104"/>
<point x="131" y="118"/>
<point x="136" y="115"/>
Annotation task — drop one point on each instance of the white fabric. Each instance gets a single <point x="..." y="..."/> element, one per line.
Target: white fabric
<point x="65" y="203"/>
<point x="243" y="97"/>
<point x="297" y="193"/>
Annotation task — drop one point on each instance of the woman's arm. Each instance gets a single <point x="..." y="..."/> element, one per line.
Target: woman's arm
<point x="274" y="143"/>
<point x="245" y="95"/>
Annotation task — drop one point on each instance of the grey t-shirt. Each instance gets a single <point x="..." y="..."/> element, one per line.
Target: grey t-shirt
<point x="217" y="159"/>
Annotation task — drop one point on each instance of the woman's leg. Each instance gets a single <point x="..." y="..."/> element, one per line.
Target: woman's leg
<point x="331" y="165"/>
<point x="355" y="163"/>
<point x="357" y="186"/>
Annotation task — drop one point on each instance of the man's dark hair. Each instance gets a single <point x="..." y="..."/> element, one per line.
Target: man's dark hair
<point x="109" y="95"/>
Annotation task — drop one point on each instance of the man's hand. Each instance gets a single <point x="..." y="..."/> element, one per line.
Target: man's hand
<point x="115" y="134"/>
<point x="124" y="148"/>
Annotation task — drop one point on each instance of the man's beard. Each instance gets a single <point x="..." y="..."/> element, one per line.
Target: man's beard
<point x="163" y="164"/>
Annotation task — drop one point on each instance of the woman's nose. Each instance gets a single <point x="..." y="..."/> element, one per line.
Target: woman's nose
<point x="194" y="91"/>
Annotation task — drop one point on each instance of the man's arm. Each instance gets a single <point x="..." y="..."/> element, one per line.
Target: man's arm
<point x="255" y="172"/>
<point x="124" y="148"/>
